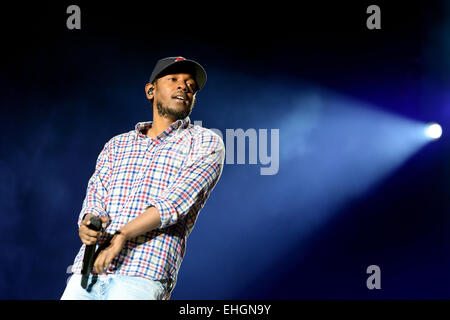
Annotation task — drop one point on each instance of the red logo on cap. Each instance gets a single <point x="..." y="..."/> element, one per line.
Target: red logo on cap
<point x="179" y="59"/>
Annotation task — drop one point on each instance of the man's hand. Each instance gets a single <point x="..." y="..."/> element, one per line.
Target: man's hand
<point x="88" y="236"/>
<point x="107" y="255"/>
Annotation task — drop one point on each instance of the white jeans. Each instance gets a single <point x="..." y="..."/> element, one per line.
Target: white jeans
<point x="115" y="287"/>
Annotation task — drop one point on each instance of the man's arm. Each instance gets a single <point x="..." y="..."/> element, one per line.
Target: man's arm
<point x="194" y="182"/>
<point x="145" y="222"/>
<point x="98" y="186"/>
<point x="96" y="193"/>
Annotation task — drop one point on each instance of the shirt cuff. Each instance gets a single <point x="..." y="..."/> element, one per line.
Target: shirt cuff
<point x="168" y="214"/>
<point x="96" y="211"/>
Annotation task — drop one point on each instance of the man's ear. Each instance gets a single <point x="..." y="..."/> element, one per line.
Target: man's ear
<point x="149" y="91"/>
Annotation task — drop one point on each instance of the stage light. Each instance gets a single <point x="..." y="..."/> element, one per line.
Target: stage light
<point x="433" y="131"/>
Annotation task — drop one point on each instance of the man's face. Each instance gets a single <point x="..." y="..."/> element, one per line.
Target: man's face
<point x="174" y="95"/>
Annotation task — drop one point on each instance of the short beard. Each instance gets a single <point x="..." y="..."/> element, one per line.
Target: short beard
<point x="168" y="112"/>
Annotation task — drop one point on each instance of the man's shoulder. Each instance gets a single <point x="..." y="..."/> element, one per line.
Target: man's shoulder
<point x="205" y="136"/>
<point x="122" y="138"/>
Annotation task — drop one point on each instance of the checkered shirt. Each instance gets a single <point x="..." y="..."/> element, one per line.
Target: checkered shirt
<point x="175" y="172"/>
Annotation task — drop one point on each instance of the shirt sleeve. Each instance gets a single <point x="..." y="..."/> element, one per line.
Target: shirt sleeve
<point x="98" y="187"/>
<point x="194" y="182"/>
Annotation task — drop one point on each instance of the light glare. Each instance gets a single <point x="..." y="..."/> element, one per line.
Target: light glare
<point x="434" y="131"/>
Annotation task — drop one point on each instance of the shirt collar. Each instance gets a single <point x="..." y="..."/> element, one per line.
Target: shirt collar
<point x="177" y="126"/>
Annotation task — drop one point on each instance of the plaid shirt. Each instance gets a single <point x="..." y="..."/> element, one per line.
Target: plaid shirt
<point x="174" y="173"/>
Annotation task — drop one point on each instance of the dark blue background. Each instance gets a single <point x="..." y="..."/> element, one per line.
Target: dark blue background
<point x="65" y="93"/>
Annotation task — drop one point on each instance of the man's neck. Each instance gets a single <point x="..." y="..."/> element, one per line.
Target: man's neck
<point x="159" y="125"/>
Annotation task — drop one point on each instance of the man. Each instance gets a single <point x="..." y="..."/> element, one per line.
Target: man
<point x="148" y="187"/>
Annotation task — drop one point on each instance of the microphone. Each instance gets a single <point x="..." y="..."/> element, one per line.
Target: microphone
<point x="88" y="260"/>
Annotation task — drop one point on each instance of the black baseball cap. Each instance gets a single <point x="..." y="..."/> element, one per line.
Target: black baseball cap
<point x="172" y="65"/>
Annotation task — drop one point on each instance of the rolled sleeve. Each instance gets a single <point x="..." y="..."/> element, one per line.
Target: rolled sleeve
<point x="194" y="182"/>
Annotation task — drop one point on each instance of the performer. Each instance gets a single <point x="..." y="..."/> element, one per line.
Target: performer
<point x="148" y="188"/>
